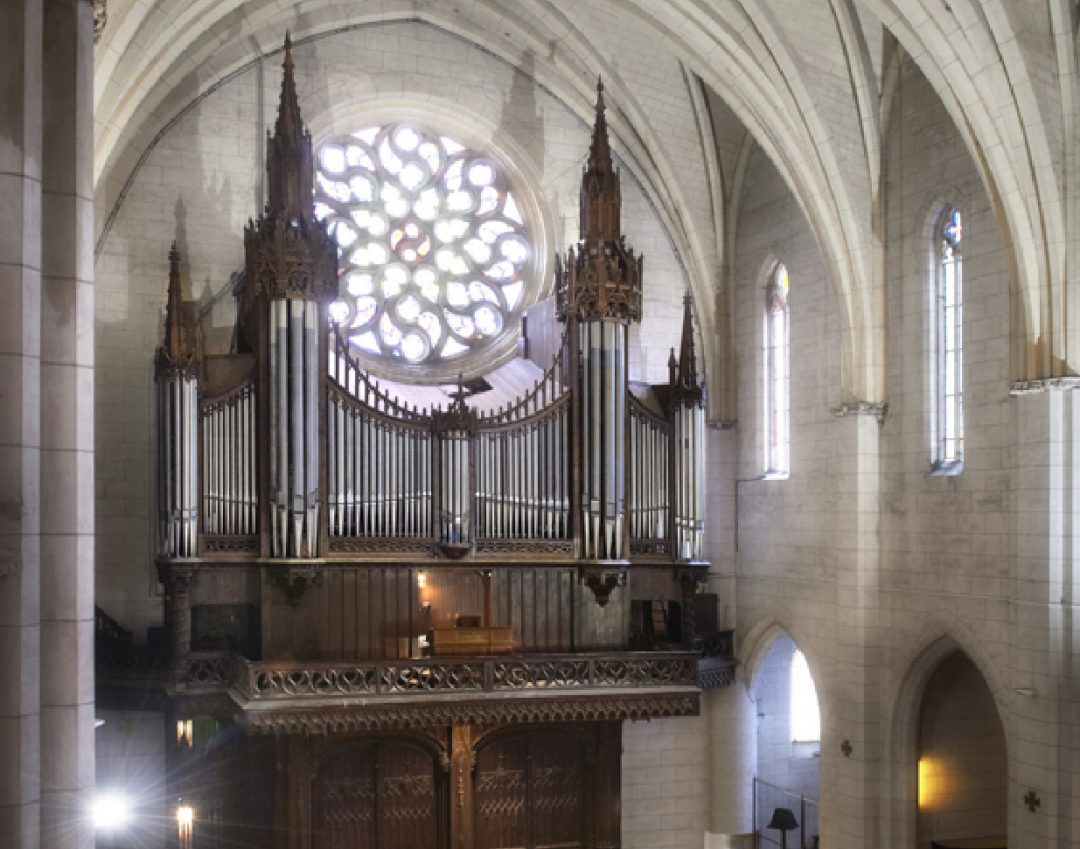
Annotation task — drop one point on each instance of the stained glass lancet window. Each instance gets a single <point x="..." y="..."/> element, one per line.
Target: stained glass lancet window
<point x="948" y="347"/>
<point x="433" y="245"/>
<point x="777" y="388"/>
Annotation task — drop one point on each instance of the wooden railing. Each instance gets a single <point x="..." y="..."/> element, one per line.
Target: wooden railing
<point x="249" y="681"/>
<point x="301" y="680"/>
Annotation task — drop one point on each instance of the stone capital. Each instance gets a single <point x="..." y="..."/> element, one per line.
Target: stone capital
<point x="101" y="16"/>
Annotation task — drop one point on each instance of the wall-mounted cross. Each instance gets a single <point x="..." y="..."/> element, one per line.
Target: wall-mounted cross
<point x="846" y="748"/>
<point x="1032" y="800"/>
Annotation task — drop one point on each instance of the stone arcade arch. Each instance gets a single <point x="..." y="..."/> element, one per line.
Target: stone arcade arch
<point x="781" y="761"/>
<point x="901" y="822"/>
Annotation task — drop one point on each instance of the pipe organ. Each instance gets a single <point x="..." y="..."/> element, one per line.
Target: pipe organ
<point x="438" y="567"/>
<point x="578" y="464"/>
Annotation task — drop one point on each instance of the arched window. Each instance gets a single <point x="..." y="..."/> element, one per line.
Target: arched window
<point x="805" y="714"/>
<point x="777" y="374"/>
<point x="947" y="399"/>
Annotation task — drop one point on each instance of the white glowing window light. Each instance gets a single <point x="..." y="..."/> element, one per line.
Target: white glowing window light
<point x="948" y="339"/>
<point x="433" y="247"/>
<point x="805" y="713"/>
<point x="777" y="375"/>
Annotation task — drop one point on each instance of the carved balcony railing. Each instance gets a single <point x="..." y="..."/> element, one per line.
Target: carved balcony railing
<point x="300" y="680"/>
<point x="278" y="685"/>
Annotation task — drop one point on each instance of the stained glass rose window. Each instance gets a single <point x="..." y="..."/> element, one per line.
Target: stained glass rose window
<point x="434" y="249"/>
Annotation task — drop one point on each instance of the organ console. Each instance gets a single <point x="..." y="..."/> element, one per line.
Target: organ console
<point x="286" y="462"/>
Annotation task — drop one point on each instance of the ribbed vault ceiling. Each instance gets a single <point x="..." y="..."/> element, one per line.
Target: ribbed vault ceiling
<point x="691" y="82"/>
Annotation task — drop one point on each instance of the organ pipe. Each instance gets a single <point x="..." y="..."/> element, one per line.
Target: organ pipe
<point x="178" y="463"/>
<point x="228" y="462"/>
<point x="294" y="415"/>
<point x="602" y="429"/>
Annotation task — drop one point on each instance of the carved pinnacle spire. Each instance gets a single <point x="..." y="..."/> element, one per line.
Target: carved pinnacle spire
<point x="174" y="330"/>
<point x="288" y="153"/>
<point x="687" y="358"/>
<point x="686" y="380"/>
<point x="600" y="151"/>
<point x="601" y="196"/>
<point x="601" y="279"/>
<point x="288" y="123"/>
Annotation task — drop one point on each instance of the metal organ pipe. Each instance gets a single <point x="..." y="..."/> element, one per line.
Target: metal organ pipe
<point x="227" y="438"/>
<point x="311" y="423"/>
<point x="178" y="424"/>
<point x="603" y="432"/>
<point x="294" y="413"/>
<point x="690" y="466"/>
<point x="507" y="479"/>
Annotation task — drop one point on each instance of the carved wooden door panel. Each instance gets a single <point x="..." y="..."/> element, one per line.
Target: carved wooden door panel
<point x="530" y="793"/>
<point x="557" y="786"/>
<point x="501" y="794"/>
<point x="375" y="796"/>
<point x="406" y="797"/>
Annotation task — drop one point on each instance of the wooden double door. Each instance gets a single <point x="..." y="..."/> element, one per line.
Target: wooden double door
<point x="518" y="787"/>
<point x="377" y="795"/>
<point x="531" y="791"/>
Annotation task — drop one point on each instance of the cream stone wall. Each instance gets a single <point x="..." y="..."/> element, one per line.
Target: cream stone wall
<point x="665" y="780"/>
<point x="201" y="181"/>
<point x="874" y="566"/>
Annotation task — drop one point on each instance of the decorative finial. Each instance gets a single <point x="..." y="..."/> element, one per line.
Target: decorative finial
<point x="600" y="150"/>
<point x="686" y="379"/>
<point x="289" y="125"/>
<point x="175" y="346"/>
<point x="459" y="395"/>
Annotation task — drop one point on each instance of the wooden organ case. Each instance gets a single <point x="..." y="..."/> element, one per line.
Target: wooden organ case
<point x="392" y="627"/>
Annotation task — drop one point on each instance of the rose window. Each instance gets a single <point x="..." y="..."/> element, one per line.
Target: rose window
<point x="433" y="248"/>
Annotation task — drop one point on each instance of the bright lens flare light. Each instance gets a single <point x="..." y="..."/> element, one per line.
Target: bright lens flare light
<point x="185" y="822"/>
<point x="111" y="811"/>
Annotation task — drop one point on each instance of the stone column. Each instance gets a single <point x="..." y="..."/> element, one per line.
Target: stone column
<point x="20" y="319"/>
<point x="732" y="724"/>
<point x="67" y="425"/>
<point x="851" y="784"/>
<point x="177" y="582"/>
